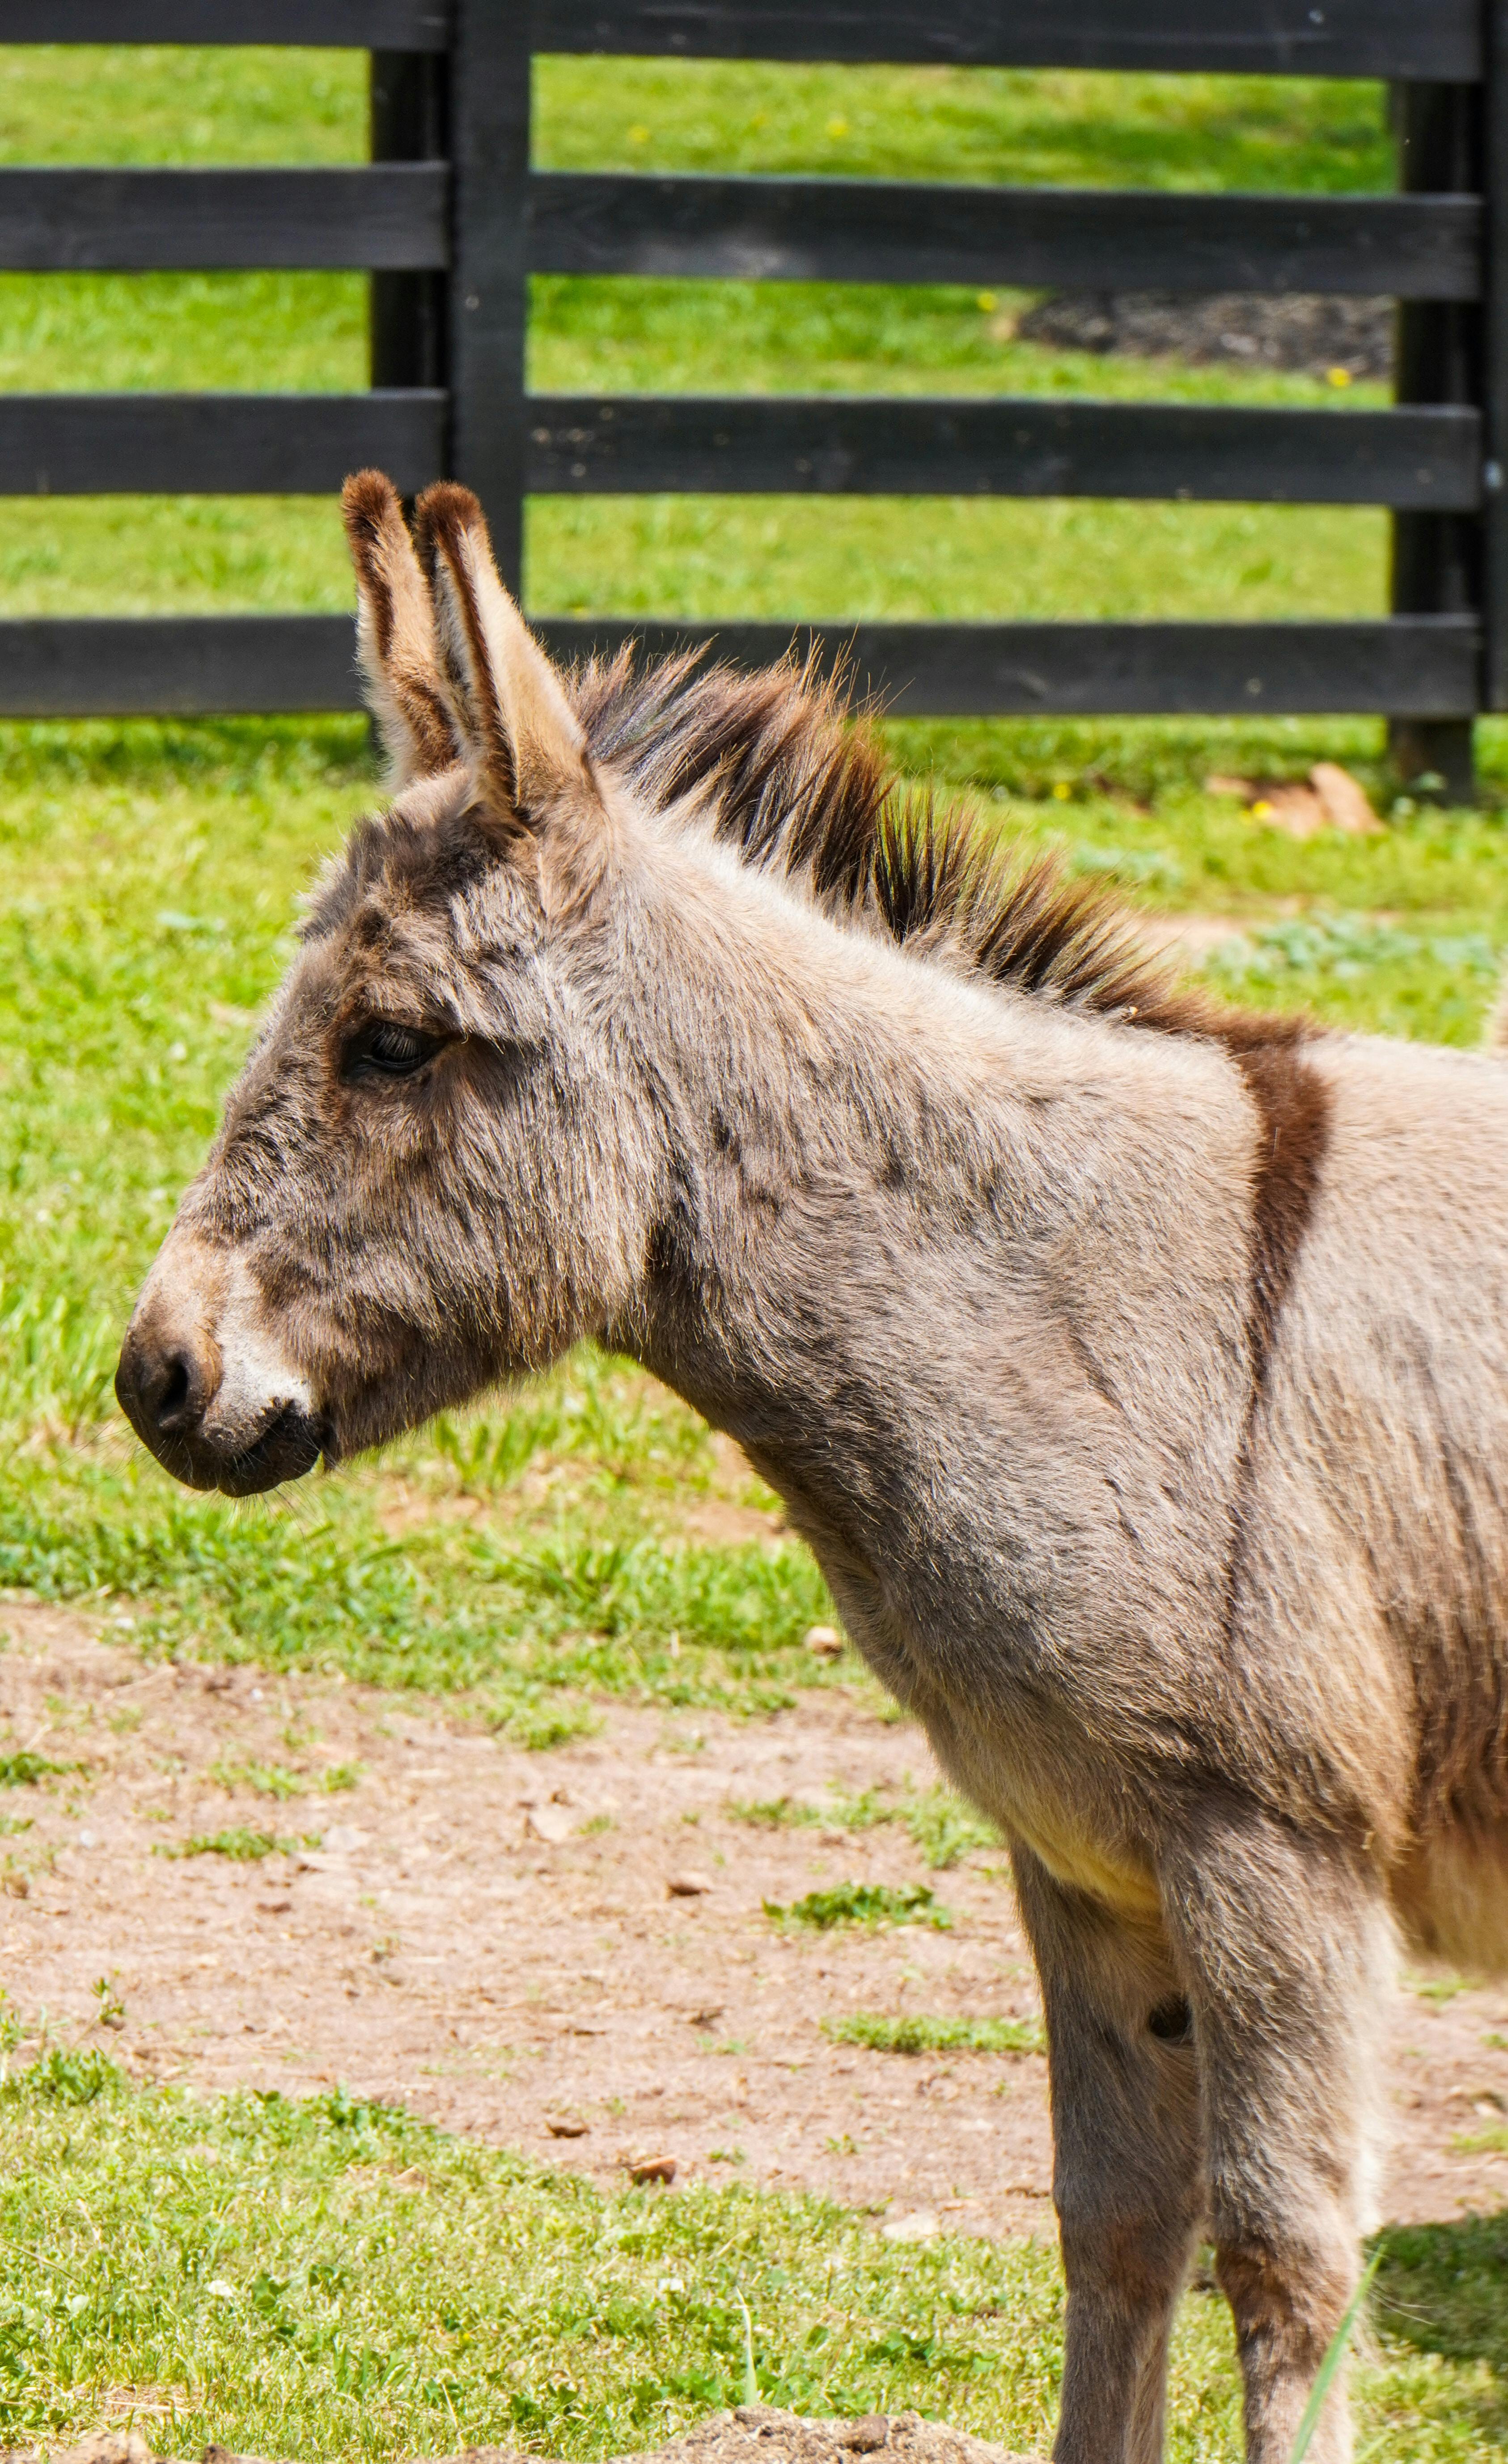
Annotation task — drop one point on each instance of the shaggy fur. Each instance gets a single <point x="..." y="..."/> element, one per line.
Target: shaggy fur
<point x="781" y="776"/>
<point x="1137" y="1369"/>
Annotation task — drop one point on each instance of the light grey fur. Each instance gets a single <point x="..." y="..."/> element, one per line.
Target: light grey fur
<point x="1218" y="1635"/>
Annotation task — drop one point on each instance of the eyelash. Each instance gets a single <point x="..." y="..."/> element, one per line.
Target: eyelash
<point x="413" y="1049"/>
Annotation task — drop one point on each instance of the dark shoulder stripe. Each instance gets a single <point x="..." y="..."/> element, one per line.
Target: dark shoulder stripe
<point x="1293" y="1111"/>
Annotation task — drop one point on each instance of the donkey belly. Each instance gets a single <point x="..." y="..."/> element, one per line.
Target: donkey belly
<point x="1451" y="1897"/>
<point x="1020" y="1781"/>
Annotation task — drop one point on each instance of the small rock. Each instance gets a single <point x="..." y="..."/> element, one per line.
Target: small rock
<point x="652" y="2168"/>
<point x="687" y="1886"/>
<point x="559" y="2126"/>
<point x="825" y="1641"/>
<point x="551" y="1823"/>
<point x="708" y="2016"/>
<point x="921" y="2225"/>
<point x="274" y="1907"/>
<point x="866" y="2436"/>
<point x="343" y="1839"/>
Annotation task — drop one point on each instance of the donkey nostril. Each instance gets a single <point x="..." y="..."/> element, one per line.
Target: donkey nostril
<point x="173" y="1396"/>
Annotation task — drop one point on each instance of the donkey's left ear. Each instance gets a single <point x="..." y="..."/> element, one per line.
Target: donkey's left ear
<point x="395" y="638"/>
<point x="525" y="742"/>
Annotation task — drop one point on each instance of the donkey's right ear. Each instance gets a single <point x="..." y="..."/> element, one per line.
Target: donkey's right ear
<point x="395" y="636"/>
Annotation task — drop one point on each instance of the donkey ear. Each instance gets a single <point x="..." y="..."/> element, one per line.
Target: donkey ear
<point x="525" y="741"/>
<point x="394" y="637"/>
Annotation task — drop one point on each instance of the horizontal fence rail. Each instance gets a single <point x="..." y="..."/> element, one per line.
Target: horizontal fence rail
<point x="350" y="25"/>
<point x="206" y="444"/>
<point x="450" y="244"/>
<point x="767" y="230"/>
<point x="1439" y="40"/>
<point x="245" y="443"/>
<point x="1338" y="38"/>
<point x="834" y="445"/>
<point x="394" y="216"/>
<point x="1423" y="665"/>
<point x="382" y="217"/>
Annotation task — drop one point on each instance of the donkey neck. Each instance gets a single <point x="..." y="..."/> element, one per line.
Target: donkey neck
<point x="875" y="1171"/>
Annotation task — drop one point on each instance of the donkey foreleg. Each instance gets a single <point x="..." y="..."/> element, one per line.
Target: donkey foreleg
<point x="1285" y="1946"/>
<point x="1128" y="2178"/>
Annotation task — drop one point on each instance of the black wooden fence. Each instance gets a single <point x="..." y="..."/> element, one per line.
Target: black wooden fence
<point x="450" y="220"/>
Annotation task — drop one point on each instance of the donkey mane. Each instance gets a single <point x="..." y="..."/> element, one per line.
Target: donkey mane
<point x="775" y="764"/>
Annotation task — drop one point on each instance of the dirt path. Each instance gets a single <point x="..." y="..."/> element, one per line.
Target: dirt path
<point x="524" y="1945"/>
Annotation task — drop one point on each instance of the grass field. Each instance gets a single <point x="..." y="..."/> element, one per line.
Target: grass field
<point x="327" y="2277"/>
<point x="332" y="2279"/>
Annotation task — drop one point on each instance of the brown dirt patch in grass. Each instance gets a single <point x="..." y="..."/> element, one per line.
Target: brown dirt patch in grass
<point x="492" y="1938"/>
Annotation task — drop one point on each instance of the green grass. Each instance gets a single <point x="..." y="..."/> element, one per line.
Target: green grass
<point x="23" y="1769"/>
<point x="682" y="556"/>
<point x="1083" y="130"/>
<point x="941" y="1825"/>
<point x="266" y="1780"/>
<point x="881" y="2032"/>
<point x="530" y="1632"/>
<point x="861" y="1903"/>
<point x="331" y="2277"/>
<point x="244" y="1847"/>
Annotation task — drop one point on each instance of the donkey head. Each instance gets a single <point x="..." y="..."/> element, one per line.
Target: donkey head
<point x="430" y="1173"/>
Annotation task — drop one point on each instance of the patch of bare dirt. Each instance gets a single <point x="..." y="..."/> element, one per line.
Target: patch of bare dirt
<point x="1341" y="338"/>
<point x="568" y="1952"/>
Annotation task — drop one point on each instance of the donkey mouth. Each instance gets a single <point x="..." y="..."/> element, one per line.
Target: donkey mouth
<point x="291" y="1444"/>
<point x="201" y="1429"/>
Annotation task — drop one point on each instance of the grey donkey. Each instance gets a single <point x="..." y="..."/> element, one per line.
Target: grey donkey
<point x="1137" y="1369"/>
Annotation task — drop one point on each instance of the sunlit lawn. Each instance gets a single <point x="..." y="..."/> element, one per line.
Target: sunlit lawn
<point x="332" y="2280"/>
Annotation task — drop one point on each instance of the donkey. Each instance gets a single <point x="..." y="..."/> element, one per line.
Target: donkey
<point x="1136" y="1368"/>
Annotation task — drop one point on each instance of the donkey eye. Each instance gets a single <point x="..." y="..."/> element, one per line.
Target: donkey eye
<point x="387" y="1049"/>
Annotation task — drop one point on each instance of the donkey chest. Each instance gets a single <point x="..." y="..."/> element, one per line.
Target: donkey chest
<point x="1007" y="1722"/>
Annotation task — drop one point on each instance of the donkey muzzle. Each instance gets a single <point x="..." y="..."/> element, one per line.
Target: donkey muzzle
<point x="204" y="1388"/>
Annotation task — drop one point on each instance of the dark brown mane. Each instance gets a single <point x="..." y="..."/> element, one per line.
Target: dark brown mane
<point x="778" y="765"/>
<point x="775" y="762"/>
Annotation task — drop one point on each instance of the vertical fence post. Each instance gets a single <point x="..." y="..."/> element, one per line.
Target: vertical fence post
<point x="409" y="122"/>
<point x="1495" y="356"/>
<point x="1437" y="558"/>
<point x="490" y="64"/>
